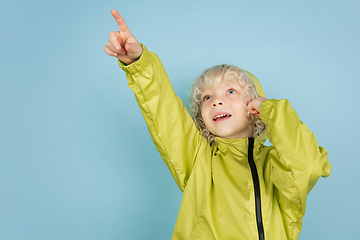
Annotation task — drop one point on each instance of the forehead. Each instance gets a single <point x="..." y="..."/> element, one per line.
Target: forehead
<point x="222" y="84"/>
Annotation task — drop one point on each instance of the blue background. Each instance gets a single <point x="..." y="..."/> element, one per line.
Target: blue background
<point x="76" y="159"/>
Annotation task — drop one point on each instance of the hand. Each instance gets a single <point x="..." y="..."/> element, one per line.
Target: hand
<point x="122" y="44"/>
<point x="254" y="106"/>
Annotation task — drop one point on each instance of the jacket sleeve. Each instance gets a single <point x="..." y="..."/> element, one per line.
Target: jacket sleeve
<point x="171" y="127"/>
<point x="296" y="161"/>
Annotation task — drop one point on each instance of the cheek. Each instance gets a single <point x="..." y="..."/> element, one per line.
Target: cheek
<point x="205" y="113"/>
<point x="242" y="100"/>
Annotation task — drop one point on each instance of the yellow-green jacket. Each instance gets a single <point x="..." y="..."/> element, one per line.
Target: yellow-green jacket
<point x="227" y="194"/>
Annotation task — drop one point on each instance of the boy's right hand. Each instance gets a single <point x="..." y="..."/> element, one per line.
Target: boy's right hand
<point x="122" y="44"/>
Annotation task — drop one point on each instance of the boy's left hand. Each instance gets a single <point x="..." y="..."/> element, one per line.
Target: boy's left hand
<point x="254" y="106"/>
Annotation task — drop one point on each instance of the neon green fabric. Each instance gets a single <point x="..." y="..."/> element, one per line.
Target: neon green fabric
<point x="218" y="193"/>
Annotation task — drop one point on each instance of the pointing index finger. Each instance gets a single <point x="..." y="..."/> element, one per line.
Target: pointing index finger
<point x="120" y="21"/>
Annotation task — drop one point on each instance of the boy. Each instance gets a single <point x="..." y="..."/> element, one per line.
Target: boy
<point x="233" y="186"/>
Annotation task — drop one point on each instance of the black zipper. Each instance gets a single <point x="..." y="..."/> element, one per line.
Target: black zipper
<point x="255" y="177"/>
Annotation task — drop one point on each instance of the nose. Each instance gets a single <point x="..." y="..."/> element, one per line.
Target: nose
<point x="219" y="103"/>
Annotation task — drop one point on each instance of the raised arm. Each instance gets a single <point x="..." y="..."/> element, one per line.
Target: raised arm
<point x="122" y="44"/>
<point x="171" y="127"/>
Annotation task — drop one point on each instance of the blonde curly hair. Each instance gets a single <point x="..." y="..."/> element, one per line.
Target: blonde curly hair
<point x="210" y="78"/>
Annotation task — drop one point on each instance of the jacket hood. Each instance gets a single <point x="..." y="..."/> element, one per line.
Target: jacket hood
<point x="259" y="89"/>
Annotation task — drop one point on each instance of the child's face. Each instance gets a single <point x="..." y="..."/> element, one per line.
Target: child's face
<point x="223" y="112"/>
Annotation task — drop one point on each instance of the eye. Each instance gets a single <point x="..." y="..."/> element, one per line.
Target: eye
<point x="231" y="91"/>
<point x="206" y="98"/>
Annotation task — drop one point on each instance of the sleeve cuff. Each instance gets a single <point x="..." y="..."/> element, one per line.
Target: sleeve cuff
<point x="139" y="65"/>
<point x="266" y="108"/>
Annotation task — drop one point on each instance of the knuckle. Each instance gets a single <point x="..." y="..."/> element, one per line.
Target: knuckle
<point x="107" y="50"/>
<point x="108" y="44"/>
<point x="113" y="34"/>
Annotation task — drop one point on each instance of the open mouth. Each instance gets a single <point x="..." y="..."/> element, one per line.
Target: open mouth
<point x="221" y="116"/>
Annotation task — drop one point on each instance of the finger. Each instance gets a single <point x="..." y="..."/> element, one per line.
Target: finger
<point x="254" y="112"/>
<point x="129" y="47"/>
<point x="134" y="50"/>
<point x="109" y="52"/>
<point x="114" y="49"/>
<point x="250" y="106"/>
<point x="114" y="40"/>
<point x="133" y="47"/>
<point x="120" y="21"/>
<point x="111" y="47"/>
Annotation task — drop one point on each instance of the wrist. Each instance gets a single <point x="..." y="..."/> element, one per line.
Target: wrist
<point x="139" y="64"/>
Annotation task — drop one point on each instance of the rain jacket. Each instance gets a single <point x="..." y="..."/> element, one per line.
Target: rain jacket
<point x="238" y="188"/>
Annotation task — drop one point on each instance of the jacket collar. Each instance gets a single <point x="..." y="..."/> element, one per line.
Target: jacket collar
<point x="239" y="145"/>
